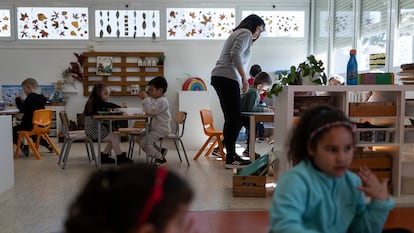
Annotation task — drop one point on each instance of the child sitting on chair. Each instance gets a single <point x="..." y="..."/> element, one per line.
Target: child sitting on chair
<point x="250" y="100"/>
<point x="98" y="101"/>
<point x="32" y="102"/>
<point x="156" y="104"/>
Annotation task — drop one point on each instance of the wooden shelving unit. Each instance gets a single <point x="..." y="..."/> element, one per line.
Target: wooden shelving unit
<point x="129" y="69"/>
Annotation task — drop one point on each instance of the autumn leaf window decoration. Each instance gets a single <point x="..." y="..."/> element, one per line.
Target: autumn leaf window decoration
<point x="74" y="71"/>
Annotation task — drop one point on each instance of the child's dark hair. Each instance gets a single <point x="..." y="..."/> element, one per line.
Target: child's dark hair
<point x="251" y="22"/>
<point x="313" y="124"/>
<point x="159" y="82"/>
<point x="262" y="78"/>
<point x="254" y="70"/>
<point x="122" y="199"/>
<point x="95" y="94"/>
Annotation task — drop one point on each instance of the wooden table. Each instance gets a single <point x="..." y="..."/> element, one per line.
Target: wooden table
<point x="254" y="118"/>
<point x="110" y="118"/>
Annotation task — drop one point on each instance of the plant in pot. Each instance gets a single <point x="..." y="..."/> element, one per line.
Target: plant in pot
<point x="161" y="59"/>
<point x="311" y="71"/>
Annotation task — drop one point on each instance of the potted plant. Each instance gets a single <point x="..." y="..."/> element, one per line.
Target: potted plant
<point x="310" y="71"/>
<point x="161" y="59"/>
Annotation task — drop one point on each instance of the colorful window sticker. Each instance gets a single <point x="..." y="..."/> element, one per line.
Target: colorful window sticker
<point x="5" y="23"/>
<point x="58" y="23"/>
<point x="199" y="23"/>
<point x="281" y="23"/>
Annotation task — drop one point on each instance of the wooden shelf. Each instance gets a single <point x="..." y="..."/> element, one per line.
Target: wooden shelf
<point x="125" y="71"/>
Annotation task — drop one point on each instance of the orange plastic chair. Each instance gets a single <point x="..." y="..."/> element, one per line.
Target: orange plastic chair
<point x="42" y="119"/>
<point x="212" y="133"/>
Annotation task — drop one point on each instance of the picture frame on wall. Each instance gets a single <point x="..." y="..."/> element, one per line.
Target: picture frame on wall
<point x="103" y="65"/>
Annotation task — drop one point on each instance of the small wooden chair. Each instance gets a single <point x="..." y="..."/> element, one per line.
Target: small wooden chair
<point x="42" y="119"/>
<point x="176" y="136"/>
<point x="73" y="136"/>
<point x="212" y="133"/>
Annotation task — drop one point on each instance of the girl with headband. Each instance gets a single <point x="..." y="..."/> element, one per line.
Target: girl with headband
<point x="320" y="194"/>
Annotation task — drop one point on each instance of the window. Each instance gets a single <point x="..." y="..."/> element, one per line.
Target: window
<point x="404" y="44"/>
<point x="281" y="23"/>
<point x="127" y="23"/>
<point x="321" y="35"/>
<point x="342" y="35"/>
<point x="373" y="28"/>
<point x="199" y="23"/>
<point x="5" y="21"/>
<point x="57" y="23"/>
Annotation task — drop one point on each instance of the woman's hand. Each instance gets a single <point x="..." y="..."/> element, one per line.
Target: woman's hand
<point x="371" y="186"/>
<point x="245" y="85"/>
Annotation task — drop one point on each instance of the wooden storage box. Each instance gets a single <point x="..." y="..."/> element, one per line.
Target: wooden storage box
<point x="249" y="186"/>
<point x="372" y="109"/>
<point x="302" y="103"/>
<point x="380" y="164"/>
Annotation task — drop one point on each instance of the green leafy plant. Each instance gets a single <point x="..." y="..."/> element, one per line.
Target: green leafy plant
<point x="306" y="69"/>
<point x="161" y="59"/>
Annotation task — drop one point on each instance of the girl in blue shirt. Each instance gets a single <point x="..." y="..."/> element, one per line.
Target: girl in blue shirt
<point x="320" y="194"/>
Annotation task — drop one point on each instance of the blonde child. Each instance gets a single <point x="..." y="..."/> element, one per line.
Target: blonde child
<point x="156" y="104"/>
<point x="320" y="194"/>
<point x="98" y="101"/>
<point x="27" y="106"/>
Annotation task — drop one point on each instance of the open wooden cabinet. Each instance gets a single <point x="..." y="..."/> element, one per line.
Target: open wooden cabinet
<point x="124" y="72"/>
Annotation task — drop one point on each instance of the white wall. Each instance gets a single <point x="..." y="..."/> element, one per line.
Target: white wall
<point x="45" y="61"/>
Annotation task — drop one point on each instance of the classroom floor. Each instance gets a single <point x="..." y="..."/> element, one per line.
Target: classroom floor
<point x="43" y="190"/>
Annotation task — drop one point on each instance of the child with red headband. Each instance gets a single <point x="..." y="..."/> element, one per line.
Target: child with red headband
<point x="140" y="198"/>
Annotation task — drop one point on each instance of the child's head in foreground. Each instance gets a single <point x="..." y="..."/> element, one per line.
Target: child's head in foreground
<point x="325" y="136"/>
<point x="29" y="85"/>
<point x="137" y="198"/>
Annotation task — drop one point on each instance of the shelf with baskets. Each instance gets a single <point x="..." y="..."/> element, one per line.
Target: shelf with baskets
<point x="125" y="73"/>
<point x="385" y="128"/>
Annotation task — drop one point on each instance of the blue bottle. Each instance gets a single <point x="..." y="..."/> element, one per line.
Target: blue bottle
<point x="352" y="69"/>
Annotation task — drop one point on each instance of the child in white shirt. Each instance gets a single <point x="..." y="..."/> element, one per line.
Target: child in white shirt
<point x="156" y="104"/>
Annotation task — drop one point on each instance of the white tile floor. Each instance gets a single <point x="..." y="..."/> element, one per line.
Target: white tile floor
<point x="43" y="191"/>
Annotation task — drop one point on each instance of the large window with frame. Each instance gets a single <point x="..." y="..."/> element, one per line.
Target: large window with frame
<point x="404" y="39"/>
<point x="373" y="31"/>
<point x="52" y="23"/>
<point x="127" y="23"/>
<point x="199" y="23"/>
<point x="343" y="31"/>
<point x="5" y="23"/>
<point x="321" y="31"/>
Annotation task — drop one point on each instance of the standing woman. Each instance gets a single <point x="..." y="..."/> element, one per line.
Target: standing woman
<point x="229" y="76"/>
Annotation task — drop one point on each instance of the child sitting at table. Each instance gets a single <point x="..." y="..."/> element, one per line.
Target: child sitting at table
<point x="98" y="101"/>
<point x="156" y="104"/>
<point x="32" y="102"/>
<point x="250" y="101"/>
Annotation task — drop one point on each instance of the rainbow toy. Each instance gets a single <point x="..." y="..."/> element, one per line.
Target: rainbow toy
<point x="194" y="84"/>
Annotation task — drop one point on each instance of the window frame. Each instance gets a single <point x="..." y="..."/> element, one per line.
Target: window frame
<point x="13" y="25"/>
